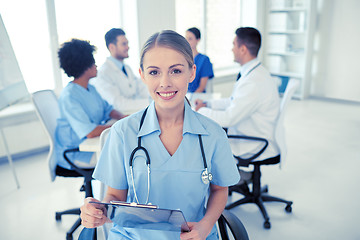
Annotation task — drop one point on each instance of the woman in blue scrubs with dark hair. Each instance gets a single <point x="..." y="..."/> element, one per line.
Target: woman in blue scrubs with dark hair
<point x="83" y="113"/>
<point x="182" y="146"/>
<point x="204" y="69"/>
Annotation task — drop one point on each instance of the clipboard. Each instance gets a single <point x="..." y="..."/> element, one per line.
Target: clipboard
<point x="132" y="215"/>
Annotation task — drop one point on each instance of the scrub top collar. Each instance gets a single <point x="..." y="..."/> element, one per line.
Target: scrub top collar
<point x="118" y="63"/>
<point x="192" y="124"/>
<point x="78" y="86"/>
<point x="248" y="66"/>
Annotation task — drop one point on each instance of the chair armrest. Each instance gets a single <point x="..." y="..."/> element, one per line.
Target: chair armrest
<point x="85" y="172"/>
<point x="246" y="161"/>
<point x="235" y="225"/>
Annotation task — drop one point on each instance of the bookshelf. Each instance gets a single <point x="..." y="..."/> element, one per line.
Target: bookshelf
<point x="288" y="41"/>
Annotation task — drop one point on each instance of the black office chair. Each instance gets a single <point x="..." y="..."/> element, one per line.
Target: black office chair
<point x="228" y="223"/>
<point x="237" y="229"/>
<point x="259" y="195"/>
<point x="47" y="108"/>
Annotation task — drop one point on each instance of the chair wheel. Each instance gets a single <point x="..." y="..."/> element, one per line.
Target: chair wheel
<point x="288" y="208"/>
<point x="58" y="216"/>
<point x="267" y="225"/>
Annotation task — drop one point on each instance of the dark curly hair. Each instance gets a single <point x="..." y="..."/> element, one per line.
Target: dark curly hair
<point x="76" y="56"/>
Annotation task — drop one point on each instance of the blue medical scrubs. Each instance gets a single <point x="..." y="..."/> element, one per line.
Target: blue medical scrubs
<point x="175" y="181"/>
<point x="81" y="110"/>
<point x="203" y="69"/>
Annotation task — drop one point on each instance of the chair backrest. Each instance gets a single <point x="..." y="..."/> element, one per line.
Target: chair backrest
<point x="47" y="109"/>
<point x="103" y="137"/>
<point x="279" y="128"/>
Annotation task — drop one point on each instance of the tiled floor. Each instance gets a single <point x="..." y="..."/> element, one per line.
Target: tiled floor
<point x="321" y="176"/>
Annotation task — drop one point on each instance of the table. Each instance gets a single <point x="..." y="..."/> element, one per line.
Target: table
<point x="91" y="145"/>
<point x="11" y="116"/>
<point x="203" y="96"/>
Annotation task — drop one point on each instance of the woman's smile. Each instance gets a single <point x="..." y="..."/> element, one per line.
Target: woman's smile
<point x="167" y="95"/>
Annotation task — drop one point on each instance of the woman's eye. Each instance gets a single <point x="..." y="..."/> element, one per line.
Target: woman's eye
<point x="175" y="71"/>
<point x="153" y="72"/>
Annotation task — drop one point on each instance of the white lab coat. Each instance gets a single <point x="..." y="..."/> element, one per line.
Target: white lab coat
<point x="127" y="94"/>
<point x="251" y="110"/>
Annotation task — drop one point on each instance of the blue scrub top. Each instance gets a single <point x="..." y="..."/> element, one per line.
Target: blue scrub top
<point x="175" y="181"/>
<point x="203" y="69"/>
<point x="81" y="110"/>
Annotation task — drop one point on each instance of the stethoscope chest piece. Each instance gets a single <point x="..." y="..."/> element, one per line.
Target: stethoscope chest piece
<point x="206" y="176"/>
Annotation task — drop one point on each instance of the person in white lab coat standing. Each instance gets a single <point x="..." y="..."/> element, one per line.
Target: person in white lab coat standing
<point x="115" y="81"/>
<point x="253" y="107"/>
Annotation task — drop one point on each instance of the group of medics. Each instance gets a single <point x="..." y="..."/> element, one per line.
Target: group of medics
<point x="187" y="152"/>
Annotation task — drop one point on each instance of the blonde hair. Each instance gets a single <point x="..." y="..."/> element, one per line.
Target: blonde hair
<point x="169" y="39"/>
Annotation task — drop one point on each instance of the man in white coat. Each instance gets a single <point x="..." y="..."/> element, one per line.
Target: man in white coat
<point x="254" y="104"/>
<point x="115" y="80"/>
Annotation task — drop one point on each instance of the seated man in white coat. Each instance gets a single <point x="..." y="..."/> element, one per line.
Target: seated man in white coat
<point x="115" y="81"/>
<point x="254" y="104"/>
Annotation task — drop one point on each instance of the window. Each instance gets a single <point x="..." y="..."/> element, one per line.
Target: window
<point x="29" y="36"/>
<point x="221" y="22"/>
<point x="189" y="13"/>
<point x="87" y="20"/>
<point x="217" y="21"/>
<point x="29" y="33"/>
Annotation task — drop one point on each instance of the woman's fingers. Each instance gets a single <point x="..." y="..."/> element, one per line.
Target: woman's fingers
<point x="92" y="214"/>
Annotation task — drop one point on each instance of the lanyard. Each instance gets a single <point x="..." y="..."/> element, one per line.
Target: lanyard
<point x="257" y="65"/>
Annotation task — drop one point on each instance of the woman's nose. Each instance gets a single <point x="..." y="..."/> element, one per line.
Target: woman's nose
<point x="165" y="80"/>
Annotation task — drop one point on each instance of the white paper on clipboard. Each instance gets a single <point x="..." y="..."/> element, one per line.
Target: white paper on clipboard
<point x="151" y="217"/>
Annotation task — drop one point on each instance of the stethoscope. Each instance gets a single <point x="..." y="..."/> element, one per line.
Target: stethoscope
<point x="206" y="176"/>
<point x="252" y="69"/>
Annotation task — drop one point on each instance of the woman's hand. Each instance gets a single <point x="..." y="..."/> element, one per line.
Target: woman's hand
<point x="215" y="206"/>
<point x="199" y="104"/>
<point x="198" y="231"/>
<point x="92" y="215"/>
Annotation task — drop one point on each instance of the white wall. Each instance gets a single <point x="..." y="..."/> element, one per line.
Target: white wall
<point x="336" y="66"/>
<point x="154" y="16"/>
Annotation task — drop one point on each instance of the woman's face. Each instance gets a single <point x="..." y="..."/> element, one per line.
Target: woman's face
<point x="190" y="37"/>
<point x="91" y="71"/>
<point x="167" y="75"/>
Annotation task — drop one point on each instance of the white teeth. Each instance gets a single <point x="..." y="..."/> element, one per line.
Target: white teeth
<point x="166" y="94"/>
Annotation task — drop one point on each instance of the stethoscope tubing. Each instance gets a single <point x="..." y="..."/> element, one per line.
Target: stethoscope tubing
<point x="206" y="176"/>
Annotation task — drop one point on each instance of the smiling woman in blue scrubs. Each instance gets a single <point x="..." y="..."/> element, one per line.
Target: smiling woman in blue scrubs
<point x="170" y="133"/>
<point x="83" y="112"/>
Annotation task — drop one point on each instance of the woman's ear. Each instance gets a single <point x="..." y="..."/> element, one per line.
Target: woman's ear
<point x="193" y="74"/>
<point x="142" y="75"/>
